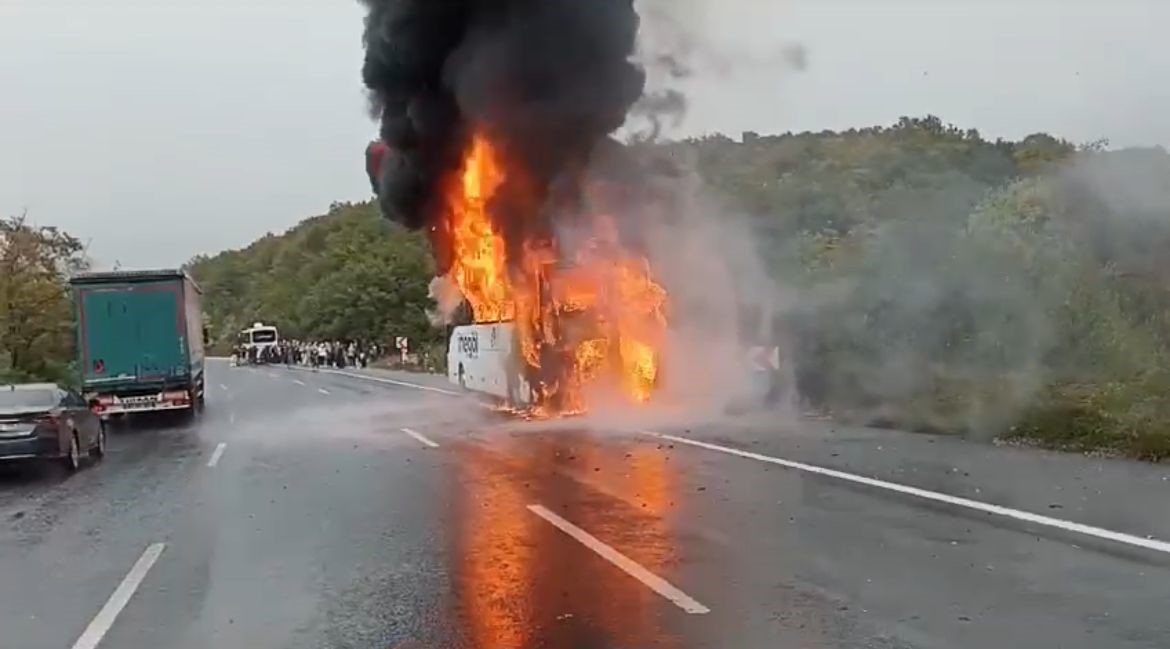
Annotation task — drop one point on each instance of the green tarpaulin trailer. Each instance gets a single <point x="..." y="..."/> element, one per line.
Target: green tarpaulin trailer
<point x="140" y="340"/>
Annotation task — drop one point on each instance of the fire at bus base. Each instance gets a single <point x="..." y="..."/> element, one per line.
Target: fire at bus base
<point x="564" y="321"/>
<point x="491" y="116"/>
<point x="589" y="320"/>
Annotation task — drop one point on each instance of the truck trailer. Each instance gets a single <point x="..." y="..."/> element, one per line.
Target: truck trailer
<point x="140" y="339"/>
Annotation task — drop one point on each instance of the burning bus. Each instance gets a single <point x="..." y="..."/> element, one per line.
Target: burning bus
<point x="552" y="322"/>
<point x="490" y="127"/>
<point x="485" y="358"/>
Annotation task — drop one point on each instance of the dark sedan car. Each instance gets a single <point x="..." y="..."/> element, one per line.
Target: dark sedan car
<point x="46" y="421"/>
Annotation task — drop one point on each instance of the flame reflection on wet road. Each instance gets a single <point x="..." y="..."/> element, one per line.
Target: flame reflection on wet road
<point x="519" y="582"/>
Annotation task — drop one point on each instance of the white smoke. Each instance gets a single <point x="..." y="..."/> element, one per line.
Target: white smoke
<point x="445" y="292"/>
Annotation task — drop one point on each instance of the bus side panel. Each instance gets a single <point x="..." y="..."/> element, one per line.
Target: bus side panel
<point x="483" y="358"/>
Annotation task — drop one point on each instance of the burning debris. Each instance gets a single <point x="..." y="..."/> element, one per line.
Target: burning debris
<point x="493" y="113"/>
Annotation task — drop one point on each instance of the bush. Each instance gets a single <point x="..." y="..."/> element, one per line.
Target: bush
<point x="1130" y="418"/>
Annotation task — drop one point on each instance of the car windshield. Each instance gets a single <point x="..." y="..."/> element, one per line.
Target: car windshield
<point x="26" y="399"/>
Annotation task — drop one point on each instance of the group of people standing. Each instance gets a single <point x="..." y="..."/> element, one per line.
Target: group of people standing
<point x="332" y="353"/>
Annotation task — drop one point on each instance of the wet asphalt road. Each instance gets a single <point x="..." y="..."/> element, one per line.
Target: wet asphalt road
<point x="296" y="512"/>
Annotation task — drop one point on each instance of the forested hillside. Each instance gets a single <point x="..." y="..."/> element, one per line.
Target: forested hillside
<point x="346" y="275"/>
<point x="933" y="279"/>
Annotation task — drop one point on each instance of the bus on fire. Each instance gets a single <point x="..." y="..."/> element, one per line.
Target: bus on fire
<point x="485" y="358"/>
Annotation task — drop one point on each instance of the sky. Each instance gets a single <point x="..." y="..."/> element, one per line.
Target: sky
<point x="155" y="130"/>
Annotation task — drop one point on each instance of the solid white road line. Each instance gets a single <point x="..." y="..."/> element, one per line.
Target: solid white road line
<point x="628" y="565"/>
<point x="405" y="384"/>
<point x="378" y="379"/>
<point x="998" y="510"/>
<point x="298" y="382"/>
<point x="217" y="453"/>
<point x="322" y="390"/>
<point x="102" y="622"/>
<point x="420" y="437"/>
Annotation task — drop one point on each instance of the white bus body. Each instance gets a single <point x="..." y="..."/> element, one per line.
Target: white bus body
<point x="485" y="358"/>
<point x="258" y="337"/>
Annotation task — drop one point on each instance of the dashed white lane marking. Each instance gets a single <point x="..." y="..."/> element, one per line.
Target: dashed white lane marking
<point x="298" y="382"/>
<point x="712" y="535"/>
<point x="223" y="387"/>
<point x="420" y="437"/>
<point x="216" y="454"/>
<point x="626" y="564"/>
<point x="1148" y="543"/>
<point x="102" y="622"/>
<point x="322" y="390"/>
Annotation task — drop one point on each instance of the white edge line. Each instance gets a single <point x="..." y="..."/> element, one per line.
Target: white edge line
<point x="420" y="437"/>
<point x="322" y="390"/>
<point x="378" y="379"/>
<point x="217" y="453"/>
<point x="626" y="564"/>
<point x="998" y="510"/>
<point x="102" y="622"/>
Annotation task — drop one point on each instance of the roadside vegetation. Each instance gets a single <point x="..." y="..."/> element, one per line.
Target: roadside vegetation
<point x="36" y="322"/>
<point x="939" y="281"/>
<point x="346" y="275"/>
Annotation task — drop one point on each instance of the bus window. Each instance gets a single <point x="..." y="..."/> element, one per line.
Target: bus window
<point x="264" y="336"/>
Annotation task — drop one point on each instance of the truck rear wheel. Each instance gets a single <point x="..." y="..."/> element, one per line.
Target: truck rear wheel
<point x="196" y="403"/>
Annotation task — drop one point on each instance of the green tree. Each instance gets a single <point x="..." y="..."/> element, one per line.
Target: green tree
<point x="36" y="335"/>
<point x="348" y="274"/>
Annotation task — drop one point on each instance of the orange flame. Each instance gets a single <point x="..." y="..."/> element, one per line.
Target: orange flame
<point x="478" y="262"/>
<point x="595" y="319"/>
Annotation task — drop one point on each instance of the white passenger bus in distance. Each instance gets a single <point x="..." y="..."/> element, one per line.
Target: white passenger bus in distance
<point x="258" y="337"/>
<point x="485" y="358"/>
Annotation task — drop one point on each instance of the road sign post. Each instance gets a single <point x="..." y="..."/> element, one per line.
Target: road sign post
<point x="403" y="346"/>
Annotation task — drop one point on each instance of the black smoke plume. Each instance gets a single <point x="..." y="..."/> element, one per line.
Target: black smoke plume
<point x="545" y="80"/>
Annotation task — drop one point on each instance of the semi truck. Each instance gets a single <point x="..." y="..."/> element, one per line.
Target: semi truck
<point x="140" y="338"/>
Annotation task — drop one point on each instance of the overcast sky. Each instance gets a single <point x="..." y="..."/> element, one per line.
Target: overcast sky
<point x="157" y="129"/>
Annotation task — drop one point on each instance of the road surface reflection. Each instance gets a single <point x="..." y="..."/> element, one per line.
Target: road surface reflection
<point x="520" y="583"/>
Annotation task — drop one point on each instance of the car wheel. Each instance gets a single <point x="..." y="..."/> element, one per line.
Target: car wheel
<point x="72" y="460"/>
<point x="99" y="450"/>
